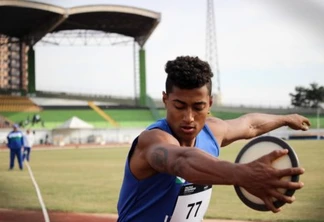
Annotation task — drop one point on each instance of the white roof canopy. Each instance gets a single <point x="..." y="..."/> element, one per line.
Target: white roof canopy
<point x="75" y="123"/>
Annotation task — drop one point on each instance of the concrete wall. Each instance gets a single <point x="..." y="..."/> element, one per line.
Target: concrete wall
<point x="82" y="136"/>
<point x="127" y="135"/>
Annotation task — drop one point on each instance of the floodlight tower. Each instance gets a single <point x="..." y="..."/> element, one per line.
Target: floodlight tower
<point x="211" y="49"/>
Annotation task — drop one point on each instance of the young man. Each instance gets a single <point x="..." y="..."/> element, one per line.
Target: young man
<point x="28" y="144"/>
<point x="172" y="165"/>
<point x="15" y="144"/>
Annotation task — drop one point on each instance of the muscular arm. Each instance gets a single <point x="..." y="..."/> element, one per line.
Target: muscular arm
<point x="257" y="177"/>
<point x="166" y="156"/>
<point x="191" y="164"/>
<point x="254" y="124"/>
<point x="159" y="152"/>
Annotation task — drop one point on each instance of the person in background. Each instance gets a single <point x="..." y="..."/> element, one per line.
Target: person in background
<point x="15" y="144"/>
<point x="28" y="144"/>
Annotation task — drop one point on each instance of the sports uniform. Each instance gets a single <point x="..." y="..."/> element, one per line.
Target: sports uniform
<point x="28" y="144"/>
<point x="164" y="197"/>
<point x="15" y="144"/>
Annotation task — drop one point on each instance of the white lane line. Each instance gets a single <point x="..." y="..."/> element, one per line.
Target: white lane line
<point x="46" y="217"/>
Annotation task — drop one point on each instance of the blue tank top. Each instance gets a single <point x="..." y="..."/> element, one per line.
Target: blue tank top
<point x="155" y="198"/>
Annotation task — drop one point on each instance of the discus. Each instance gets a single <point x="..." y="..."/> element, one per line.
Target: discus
<point x="253" y="150"/>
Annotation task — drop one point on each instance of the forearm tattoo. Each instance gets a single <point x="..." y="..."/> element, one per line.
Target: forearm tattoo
<point x="160" y="158"/>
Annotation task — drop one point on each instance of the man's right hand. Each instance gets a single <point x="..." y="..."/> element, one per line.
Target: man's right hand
<point x="262" y="180"/>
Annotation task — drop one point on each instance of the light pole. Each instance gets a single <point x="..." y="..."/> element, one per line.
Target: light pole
<point x="318" y="122"/>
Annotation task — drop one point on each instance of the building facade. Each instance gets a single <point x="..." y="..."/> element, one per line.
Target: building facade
<point x="13" y="65"/>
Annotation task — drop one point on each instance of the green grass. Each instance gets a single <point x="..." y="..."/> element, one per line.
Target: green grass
<point x="131" y="117"/>
<point x="125" y="117"/>
<point x="309" y="200"/>
<point x="81" y="180"/>
<point x="54" y="118"/>
<point x="313" y="120"/>
<point x="88" y="180"/>
<point x="226" y="115"/>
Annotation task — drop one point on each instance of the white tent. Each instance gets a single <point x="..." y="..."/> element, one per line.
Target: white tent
<point x="75" y="123"/>
<point x="71" y="131"/>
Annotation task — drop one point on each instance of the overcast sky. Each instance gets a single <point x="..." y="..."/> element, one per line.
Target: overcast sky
<point x="265" y="49"/>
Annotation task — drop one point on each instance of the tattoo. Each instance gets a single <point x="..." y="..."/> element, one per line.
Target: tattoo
<point x="160" y="158"/>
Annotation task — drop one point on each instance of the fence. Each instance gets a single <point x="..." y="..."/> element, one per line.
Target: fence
<point x="127" y="135"/>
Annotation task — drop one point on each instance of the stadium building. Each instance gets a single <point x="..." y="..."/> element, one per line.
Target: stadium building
<point x="13" y="64"/>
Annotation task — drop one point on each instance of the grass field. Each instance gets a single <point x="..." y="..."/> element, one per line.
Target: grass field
<point x="124" y="117"/>
<point x="88" y="180"/>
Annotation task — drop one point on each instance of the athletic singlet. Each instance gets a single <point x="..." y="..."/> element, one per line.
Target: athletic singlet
<point x="164" y="197"/>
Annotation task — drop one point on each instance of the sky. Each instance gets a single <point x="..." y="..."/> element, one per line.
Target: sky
<point x="265" y="49"/>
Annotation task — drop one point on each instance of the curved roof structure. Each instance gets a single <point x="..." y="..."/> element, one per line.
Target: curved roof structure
<point x="30" y="21"/>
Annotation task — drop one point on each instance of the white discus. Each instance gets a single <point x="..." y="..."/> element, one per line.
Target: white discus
<point x="253" y="150"/>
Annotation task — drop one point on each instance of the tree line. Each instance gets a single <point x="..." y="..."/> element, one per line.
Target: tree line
<point x="308" y="97"/>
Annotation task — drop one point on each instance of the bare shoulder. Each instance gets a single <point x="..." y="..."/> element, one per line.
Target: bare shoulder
<point x="139" y="165"/>
<point x="215" y="124"/>
<point x="218" y="127"/>
<point x="149" y="137"/>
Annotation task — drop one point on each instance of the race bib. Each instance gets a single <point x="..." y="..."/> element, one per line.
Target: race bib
<point x="192" y="203"/>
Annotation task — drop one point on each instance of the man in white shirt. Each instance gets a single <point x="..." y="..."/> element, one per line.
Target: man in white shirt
<point x="28" y="144"/>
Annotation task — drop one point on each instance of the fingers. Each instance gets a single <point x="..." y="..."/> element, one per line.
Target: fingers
<point x="307" y="122"/>
<point x="277" y="195"/>
<point x="305" y="125"/>
<point x="269" y="204"/>
<point x="290" y="171"/>
<point x="281" y="197"/>
<point x="299" y="122"/>
<point x="277" y="154"/>
<point x="288" y="185"/>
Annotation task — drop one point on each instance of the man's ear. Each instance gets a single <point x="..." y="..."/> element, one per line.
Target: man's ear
<point x="164" y="97"/>
<point x="210" y="101"/>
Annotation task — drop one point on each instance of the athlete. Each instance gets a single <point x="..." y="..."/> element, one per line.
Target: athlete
<point x="172" y="165"/>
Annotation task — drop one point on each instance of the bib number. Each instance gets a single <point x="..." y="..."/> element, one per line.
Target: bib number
<point x="192" y="203"/>
<point x="191" y="206"/>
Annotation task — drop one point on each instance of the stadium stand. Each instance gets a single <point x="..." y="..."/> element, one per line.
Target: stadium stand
<point x="153" y="108"/>
<point x="102" y="113"/>
<point x="17" y="104"/>
<point x="4" y="122"/>
<point x="57" y="111"/>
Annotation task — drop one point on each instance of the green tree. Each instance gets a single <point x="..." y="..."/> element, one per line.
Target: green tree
<point x="310" y="97"/>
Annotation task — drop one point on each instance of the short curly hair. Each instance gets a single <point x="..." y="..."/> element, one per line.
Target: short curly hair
<point x="187" y="72"/>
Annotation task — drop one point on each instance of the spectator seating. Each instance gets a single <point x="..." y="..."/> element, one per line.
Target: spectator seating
<point x="17" y="104"/>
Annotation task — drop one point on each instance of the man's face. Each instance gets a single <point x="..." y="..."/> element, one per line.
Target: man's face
<point x="187" y="110"/>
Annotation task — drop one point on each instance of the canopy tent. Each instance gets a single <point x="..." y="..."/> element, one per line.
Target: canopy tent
<point x="75" y="123"/>
<point x="70" y="132"/>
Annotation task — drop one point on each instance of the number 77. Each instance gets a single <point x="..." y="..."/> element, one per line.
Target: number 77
<point x="191" y="206"/>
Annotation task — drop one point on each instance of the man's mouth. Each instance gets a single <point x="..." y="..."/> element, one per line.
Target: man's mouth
<point x="188" y="129"/>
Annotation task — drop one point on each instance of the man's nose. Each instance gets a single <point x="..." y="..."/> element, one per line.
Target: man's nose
<point x="188" y="116"/>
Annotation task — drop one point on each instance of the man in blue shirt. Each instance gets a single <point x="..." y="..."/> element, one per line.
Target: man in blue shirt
<point x="15" y="144"/>
<point x="172" y="165"/>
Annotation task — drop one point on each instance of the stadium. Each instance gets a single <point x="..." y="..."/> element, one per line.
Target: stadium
<point x="82" y="139"/>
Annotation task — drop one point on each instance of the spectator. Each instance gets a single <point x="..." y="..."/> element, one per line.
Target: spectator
<point x="36" y="119"/>
<point x="46" y="139"/>
<point x="15" y="144"/>
<point x="28" y="144"/>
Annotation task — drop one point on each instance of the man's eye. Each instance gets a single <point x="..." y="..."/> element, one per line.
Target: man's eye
<point x="179" y="107"/>
<point x="199" y="108"/>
